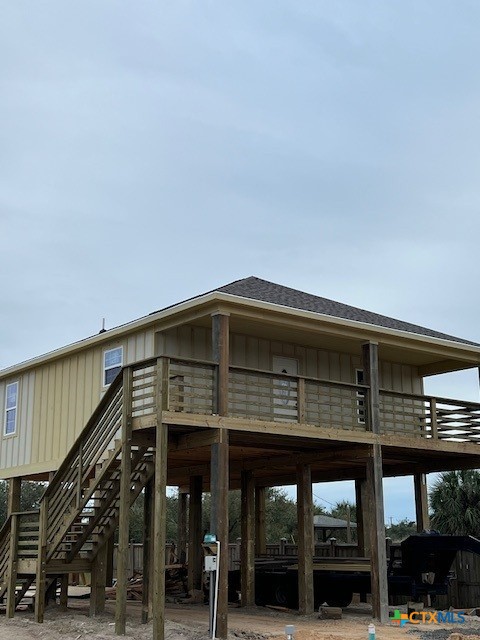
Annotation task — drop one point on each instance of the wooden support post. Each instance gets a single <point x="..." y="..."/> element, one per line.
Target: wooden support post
<point x="182" y="526"/>
<point x="148" y="522"/>
<point x="421" y="502"/>
<point x="219" y="483"/>
<point x="124" y="509"/>
<point x="110" y="551"/>
<point x="260" y="527"/>
<point x="195" y="539"/>
<point x="306" y="548"/>
<point x="370" y="374"/>
<point x="376" y="524"/>
<point x="376" y="519"/>
<point x="247" y="554"/>
<point x="64" y="580"/>
<point x="98" y="581"/>
<point x="40" y="577"/>
<point x="160" y="502"/>
<point x="12" y="567"/>
<point x="360" y="497"/>
<point x="14" y="495"/>
<point x="220" y="354"/>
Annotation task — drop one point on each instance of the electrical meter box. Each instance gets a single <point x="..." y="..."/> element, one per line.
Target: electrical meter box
<point x="210" y="563"/>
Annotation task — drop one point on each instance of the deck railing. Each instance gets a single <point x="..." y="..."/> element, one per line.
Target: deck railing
<point x="262" y="395"/>
<point x="430" y="417"/>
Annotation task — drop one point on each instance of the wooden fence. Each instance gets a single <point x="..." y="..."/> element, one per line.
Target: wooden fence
<point x="282" y="548"/>
<point x="464" y="592"/>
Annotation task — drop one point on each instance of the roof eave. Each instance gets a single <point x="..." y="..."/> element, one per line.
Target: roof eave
<point x="372" y="331"/>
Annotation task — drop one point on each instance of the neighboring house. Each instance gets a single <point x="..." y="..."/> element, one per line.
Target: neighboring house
<point x="250" y="385"/>
<point x="326" y="527"/>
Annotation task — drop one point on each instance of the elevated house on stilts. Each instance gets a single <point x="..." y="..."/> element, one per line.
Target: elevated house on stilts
<point x="248" y="386"/>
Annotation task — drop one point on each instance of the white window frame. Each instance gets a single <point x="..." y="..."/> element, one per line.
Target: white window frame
<point x="105" y="368"/>
<point x="361" y="408"/>
<point x="10" y="409"/>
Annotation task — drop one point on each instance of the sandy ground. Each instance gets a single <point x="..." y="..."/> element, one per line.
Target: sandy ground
<point x="191" y="623"/>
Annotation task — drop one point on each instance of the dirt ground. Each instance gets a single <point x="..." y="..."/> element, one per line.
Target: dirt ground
<point x="191" y="623"/>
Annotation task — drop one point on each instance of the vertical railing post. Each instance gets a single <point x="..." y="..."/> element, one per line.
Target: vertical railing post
<point x="41" y="561"/>
<point x="301" y="400"/>
<point x="12" y="566"/>
<point x="433" y="418"/>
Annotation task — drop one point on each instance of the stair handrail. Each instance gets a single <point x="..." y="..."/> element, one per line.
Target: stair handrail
<point x="73" y="451"/>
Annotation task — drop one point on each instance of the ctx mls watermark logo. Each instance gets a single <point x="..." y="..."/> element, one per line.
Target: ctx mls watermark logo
<point x="428" y="617"/>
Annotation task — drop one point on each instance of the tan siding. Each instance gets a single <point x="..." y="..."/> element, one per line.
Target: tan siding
<point x="68" y="390"/>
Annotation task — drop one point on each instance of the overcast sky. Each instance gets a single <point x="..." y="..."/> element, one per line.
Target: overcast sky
<point x="150" y="151"/>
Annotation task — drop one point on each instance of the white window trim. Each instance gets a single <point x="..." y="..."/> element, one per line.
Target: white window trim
<point x="8" y="409"/>
<point x="105" y="369"/>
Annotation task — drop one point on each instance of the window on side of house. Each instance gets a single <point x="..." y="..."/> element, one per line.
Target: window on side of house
<point x="112" y="363"/>
<point x="11" y="405"/>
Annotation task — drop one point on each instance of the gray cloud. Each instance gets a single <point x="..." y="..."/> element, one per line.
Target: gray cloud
<point x="332" y="147"/>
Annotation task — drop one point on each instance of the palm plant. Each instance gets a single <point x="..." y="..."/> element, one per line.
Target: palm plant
<point x="455" y="502"/>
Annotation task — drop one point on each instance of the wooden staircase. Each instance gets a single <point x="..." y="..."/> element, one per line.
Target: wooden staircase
<point x="80" y="509"/>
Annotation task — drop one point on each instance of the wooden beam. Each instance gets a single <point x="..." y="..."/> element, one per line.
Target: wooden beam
<point x="195" y="539"/>
<point x="124" y="505"/>
<point x="260" y="522"/>
<point x="14" y="495"/>
<point x="219" y="485"/>
<point x="421" y="502"/>
<point x="443" y="366"/>
<point x="313" y="433"/>
<point x="160" y="501"/>
<point x="247" y="555"/>
<point x="376" y="525"/>
<point x="306" y="548"/>
<point x="195" y="440"/>
<point x="148" y="523"/>
<point x="220" y="355"/>
<point x="98" y="581"/>
<point x="295" y="458"/>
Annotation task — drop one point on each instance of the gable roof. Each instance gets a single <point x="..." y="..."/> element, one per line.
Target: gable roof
<point x="265" y="291"/>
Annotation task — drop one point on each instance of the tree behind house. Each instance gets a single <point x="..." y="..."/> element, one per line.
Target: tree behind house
<point x="455" y="502"/>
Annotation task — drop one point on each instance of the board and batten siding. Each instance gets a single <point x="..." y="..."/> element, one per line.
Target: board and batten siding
<point x="15" y="449"/>
<point x="56" y="401"/>
<point x="257" y="353"/>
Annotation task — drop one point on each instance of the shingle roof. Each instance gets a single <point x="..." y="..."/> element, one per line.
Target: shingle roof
<point x="328" y="522"/>
<point x="262" y="290"/>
